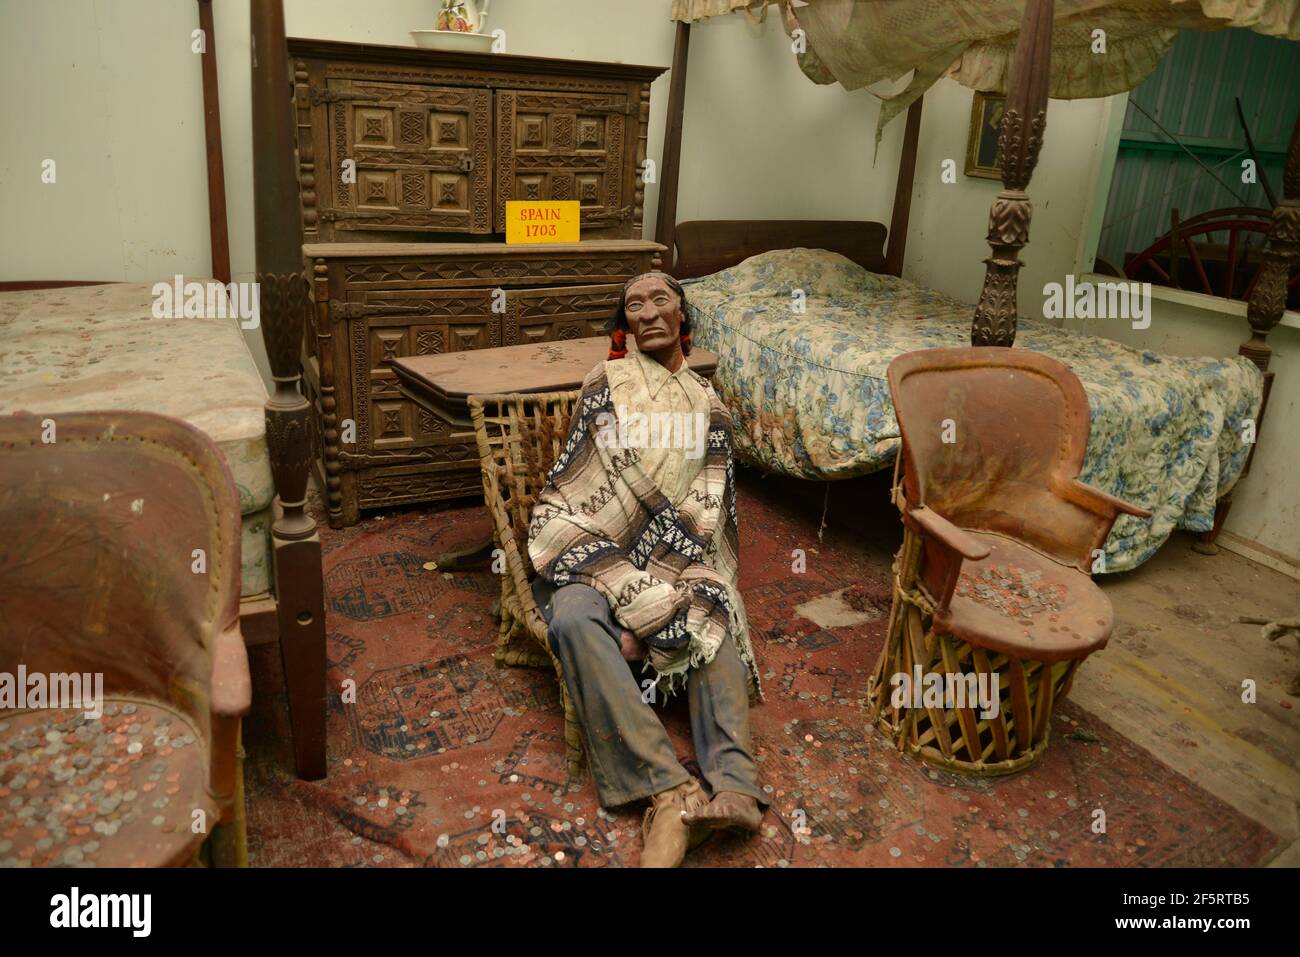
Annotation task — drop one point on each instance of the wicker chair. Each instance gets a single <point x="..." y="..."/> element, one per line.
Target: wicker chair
<point x="519" y="436"/>
<point x="992" y="582"/>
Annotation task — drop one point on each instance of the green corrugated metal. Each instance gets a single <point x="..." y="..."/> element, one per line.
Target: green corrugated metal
<point x="1192" y="93"/>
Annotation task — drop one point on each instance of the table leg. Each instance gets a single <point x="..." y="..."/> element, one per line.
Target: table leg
<point x="480" y="553"/>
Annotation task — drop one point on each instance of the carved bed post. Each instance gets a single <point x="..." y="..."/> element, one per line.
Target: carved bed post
<point x="666" y="218"/>
<point x="1264" y="309"/>
<point x="284" y="302"/>
<point x="1268" y="298"/>
<point x="1023" y="124"/>
<point x="218" y="230"/>
<point x="903" y="192"/>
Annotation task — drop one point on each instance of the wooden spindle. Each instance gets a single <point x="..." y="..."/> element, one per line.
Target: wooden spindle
<point x="1266" y="301"/>
<point x="284" y="302"/>
<point x="1023" y="123"/>
<point x="1268" y="297"/>
<point x="670" y="172"/>
<point x="218" y="229"/>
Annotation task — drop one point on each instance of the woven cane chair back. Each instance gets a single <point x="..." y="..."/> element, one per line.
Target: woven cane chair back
<point x="519" y="437"/>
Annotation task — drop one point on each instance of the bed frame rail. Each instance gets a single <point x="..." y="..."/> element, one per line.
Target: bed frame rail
<point x="707" y="245"/>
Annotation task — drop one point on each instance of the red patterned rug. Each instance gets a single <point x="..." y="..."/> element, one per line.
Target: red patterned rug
<point x="441" y="745"/>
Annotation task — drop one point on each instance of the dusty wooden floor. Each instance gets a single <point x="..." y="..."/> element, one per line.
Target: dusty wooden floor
<point x="1171" y="679"/>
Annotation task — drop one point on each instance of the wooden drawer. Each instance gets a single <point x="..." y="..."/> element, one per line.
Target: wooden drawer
<point x="376" y="302"/>
<point x="384" y="325"/>
<point x="558" y="312"/>
<point x="402" y="485"/>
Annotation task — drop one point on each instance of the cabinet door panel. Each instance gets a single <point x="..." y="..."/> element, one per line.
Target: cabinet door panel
<point x="420" y="154"/>
<point x="558" y="312"/>
<point x="565" y="146"/>
<point x="389" y="325"/>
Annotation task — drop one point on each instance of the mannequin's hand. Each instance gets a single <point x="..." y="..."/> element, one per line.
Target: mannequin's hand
<point x="631" y="647"/>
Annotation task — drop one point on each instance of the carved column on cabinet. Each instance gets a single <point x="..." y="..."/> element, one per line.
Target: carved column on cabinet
<point x="328" y="396"/>
<point x="638" y="201"/>
<point x="1021" y="139"/>
<point x="306" y="150"/>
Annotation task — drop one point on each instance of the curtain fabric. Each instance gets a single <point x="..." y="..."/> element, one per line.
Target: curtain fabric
<point x="692" y="10"/>
<point x="861" y="42"/>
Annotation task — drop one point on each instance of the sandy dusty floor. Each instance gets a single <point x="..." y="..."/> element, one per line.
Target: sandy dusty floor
<point x="1171" y="679"/>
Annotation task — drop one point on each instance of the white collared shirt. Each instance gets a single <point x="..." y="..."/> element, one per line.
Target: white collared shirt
<point x="648" y="388"/>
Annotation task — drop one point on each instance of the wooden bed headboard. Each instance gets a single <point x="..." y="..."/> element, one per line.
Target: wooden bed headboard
<point x="700" y="247"/>
<point x="707" y="245"/>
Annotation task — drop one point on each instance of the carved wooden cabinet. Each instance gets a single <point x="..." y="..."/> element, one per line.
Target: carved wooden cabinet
<point x="396" y="141"/>
<point x="406" y="160"/>
<point x="376" y="302"/>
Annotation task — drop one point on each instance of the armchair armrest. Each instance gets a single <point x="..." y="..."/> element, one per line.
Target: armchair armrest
<point x="232" y="688"/>
<point x="1101" y="503"/>
<point x="936" y="526"/>
<point x="231" y="696"/>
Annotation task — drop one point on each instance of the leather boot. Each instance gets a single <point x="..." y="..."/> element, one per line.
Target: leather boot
<point x="665" y="836"/>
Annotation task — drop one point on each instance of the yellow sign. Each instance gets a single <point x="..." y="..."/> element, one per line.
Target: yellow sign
<point x="542" y="222"/>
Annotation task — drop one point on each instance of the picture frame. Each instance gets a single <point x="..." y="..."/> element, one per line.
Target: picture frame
<point x="982" y="141"/>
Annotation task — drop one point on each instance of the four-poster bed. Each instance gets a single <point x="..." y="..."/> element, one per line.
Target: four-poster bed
<point x="766" y="366"/>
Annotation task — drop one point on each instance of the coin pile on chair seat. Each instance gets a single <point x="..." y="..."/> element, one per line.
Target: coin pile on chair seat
<point x="1012" y="591"/>
<point x="70" y="784"/>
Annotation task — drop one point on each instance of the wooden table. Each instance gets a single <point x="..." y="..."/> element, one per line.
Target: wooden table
<point x="444" y="382"/>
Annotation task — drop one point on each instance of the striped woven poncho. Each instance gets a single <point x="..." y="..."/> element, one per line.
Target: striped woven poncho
<point x="669" y="572"/>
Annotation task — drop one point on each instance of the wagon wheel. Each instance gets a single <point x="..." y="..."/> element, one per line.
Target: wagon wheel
<point x="1234" y="224"/>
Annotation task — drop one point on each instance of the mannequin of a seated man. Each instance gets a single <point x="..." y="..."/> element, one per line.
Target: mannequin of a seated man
<point x="631" y="756"/>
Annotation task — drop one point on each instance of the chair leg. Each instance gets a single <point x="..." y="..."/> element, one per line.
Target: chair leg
<point x="504" y="631"/>
<point x="228" y="845"/>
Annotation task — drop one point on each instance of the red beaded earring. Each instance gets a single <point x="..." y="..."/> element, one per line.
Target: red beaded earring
<point x="686" y="343"/>
<point x="618" y="347"/>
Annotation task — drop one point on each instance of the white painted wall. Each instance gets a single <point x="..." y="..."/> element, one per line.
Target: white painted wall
<point x="112" y="94"/>
<point x="947" y="245"/>
<point x="111" y="90"/>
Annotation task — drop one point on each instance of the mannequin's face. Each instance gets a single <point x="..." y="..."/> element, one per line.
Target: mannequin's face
<point x="654" y="315"/>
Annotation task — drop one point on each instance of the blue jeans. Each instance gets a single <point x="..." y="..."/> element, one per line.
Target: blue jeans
<point x="630" y="753"/>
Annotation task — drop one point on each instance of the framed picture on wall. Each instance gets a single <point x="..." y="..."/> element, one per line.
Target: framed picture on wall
<point x="982" y="145"/>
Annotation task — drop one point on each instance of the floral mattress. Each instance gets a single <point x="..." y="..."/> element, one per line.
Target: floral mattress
<point x="810" y="398"/>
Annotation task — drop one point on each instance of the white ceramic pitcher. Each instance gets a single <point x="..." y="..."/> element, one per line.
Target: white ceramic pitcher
<point x="463" y="16"/>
